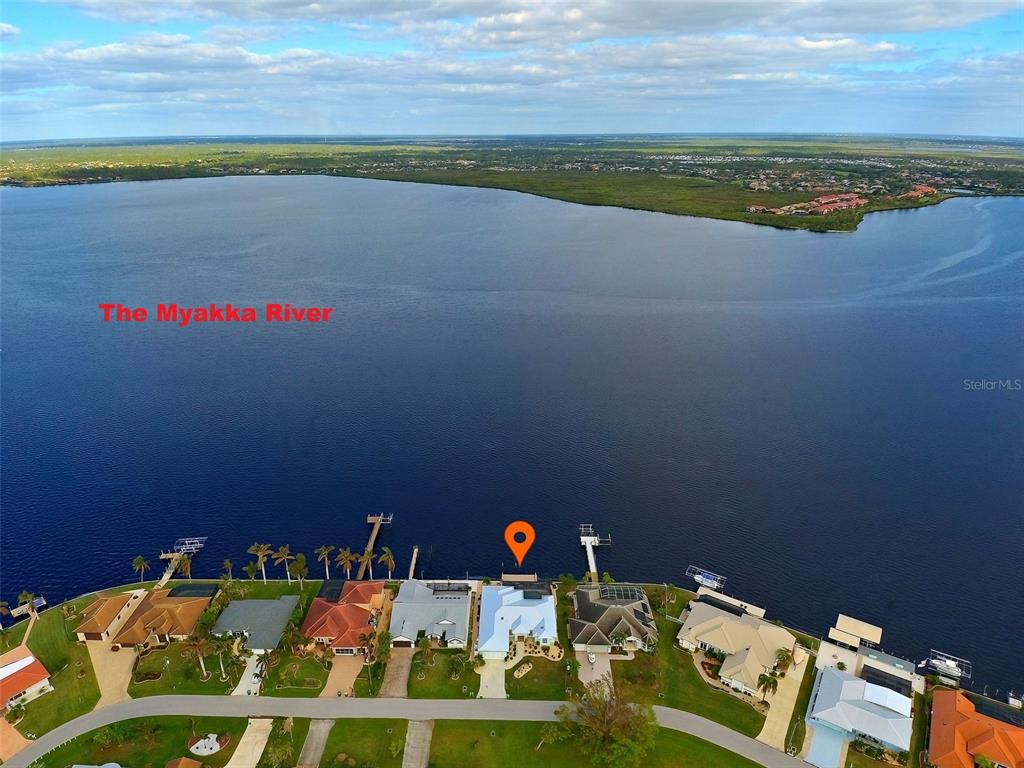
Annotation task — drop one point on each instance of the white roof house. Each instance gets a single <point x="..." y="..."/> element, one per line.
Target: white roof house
<point x="510" y="612"/>
<point x="438" y="610"/>
<point x="858" y="708"/>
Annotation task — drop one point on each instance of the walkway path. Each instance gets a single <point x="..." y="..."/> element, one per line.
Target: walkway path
<point x="403" y="709"/>
<point x="316" y="740"/>
<point x="417" y="744"/>
<point x="776" y="724"/>
<point x="250" y="746"/>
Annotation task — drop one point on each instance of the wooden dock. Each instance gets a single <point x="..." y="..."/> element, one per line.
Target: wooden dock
<point x="376" y="521"/>
<point x="412" y="563"/>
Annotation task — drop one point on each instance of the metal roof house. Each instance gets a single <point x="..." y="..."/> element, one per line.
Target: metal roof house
<point x="261" y="622"/>
<point x="612" y="615"/>
<point x="508" y="613"/>
<point x="437" y="610"/>
<point x="859" y="709"/>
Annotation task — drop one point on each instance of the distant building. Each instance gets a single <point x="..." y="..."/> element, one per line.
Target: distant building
<point x="22" y="677"/>
<point x="344" y="615"/>
<point x="260" y="622"/>
<point x="855" y="708"/>
<point x="612" y="615"/>
<point x="438" y="610"/>
<point x="750" y="644"/>
<point x="510" y="614"/>
<point x="959" y="735"/>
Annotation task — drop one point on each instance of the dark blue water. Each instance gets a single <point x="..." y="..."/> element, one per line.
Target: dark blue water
<point x="785" y="408"/>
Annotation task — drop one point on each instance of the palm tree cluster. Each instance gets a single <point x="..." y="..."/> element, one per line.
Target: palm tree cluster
<point x="296" y="567"/>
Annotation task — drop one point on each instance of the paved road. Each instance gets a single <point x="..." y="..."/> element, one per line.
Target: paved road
<point x="405" y="709"/>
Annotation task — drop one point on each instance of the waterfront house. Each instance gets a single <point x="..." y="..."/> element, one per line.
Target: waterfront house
<point x="161" y="616"/>
<point x="960" y="735"/>
<point x="612" y="615"/>
<point x="344" y="614"/>
<point x="103" y="616"/>
<point x="852" y="708"/>
<point x="510" y="614"/>
<point x="22" y="677"/>
<point x="438" y="610"/>
<point x="855" y="643"/>
<point x="260" y="622"/>
<point x="748" y="642"/>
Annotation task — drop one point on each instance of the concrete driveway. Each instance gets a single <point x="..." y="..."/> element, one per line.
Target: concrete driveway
<point x="316" y="740"/>
<point x="396" y="675"/>
<point x="601" y="667"/>
<point x="11" y="740"/>
<point x="343" y="674"/>
<point x="492" y="679"/>
<point x="776" y="724"/>
<point x="249" y="683"/>
<point x="251" y="745"/>
<point x="113" y="671"/>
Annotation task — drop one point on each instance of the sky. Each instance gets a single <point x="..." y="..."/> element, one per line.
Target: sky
<point x="104" y="68"/>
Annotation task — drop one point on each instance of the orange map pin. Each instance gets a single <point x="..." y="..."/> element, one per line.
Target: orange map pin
<point x="519" y="536"/>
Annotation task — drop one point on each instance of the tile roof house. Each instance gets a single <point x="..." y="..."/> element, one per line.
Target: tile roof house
<point x="438" y="610"/>
<point x="859" y="709"/>
<point x="260" y="622"/>
<point x="341" y="616"/>
<point x="22" y="677"/>
<point x="750" y="643"/>
<point x="612" y="615"/>
<point x="959" y="735"/>
<point x="160" y="618"/>
<point x="103" y="615"/>
<point x="509" y="613"/>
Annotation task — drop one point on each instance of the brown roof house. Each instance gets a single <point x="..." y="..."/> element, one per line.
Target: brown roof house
<point x="343" y="615"/>
<point x="104" y="615"/>
<point x="160" y="618"/>
<point x="960" y="735"/>
<point x="612" y="615"/>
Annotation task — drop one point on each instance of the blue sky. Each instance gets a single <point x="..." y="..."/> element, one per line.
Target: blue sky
<point x="94" y="68"/>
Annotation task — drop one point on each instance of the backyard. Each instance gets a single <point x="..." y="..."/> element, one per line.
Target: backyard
<point x="377" y="743"/>
<point x="437" y="682"/>
<point x="147" y="744"/>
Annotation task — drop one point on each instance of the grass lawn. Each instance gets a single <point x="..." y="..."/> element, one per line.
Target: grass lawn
<point x="437" y="682"/>
<point x="797" y="724"/>
<point x="75" y="691"/>
<point x="547" y="681"/>
<point x="379" y="743"/>
<point x="469" y="744"/>
<point x="178" y="674"/>
<point x="920" y="732"/>
<point x="668" y="677"/>
<point x="296" y="676"/>
<point x="291" y="739"/>
<point x="367" y="684"/>
<point x="855" y="759"/>
<point x="147" y="743"/>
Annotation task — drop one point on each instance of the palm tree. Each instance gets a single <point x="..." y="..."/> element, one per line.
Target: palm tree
<point x="768" y="684"/>
<point x="783" y="658"/>
<point x="290" y="638"/>
<point x="5" y="610"/>
<point x="323" y="554"/>
<point x="228" y="569"/>
<point x="199" y="647"/>
<point x="222" y="644"/>
<point x="185" y="566"/>
<point x="140" y="565"/>
<point x="261" y="551"/>
<point x="387" y="559"/>
<point x="284" y="555"/>
<point x="28" y="598"/>
<point x="251" y="569"/>
<point x="457" y="664"/>
<point x="299" y="569"/>
<point x="346" y="559"/>
<point x="266" y="661"/>
<point x="428" y="652"/>
<point x="366" y="559"/>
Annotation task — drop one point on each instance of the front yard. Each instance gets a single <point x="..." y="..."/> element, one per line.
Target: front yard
<point x="437" y="682"/>
<point x="148" y="743"/>
<point x="547" y="681"/>
<point x="169" y="670"/>
<point x="378" y="743"/>
<point x="295" y="676"/>
<point x="469" y="744"/>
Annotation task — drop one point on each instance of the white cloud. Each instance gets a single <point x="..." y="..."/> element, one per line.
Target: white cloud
<point x="8" y="30"/>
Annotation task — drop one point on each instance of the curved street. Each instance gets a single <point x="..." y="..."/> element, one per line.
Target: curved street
<point x="407" y="709"/>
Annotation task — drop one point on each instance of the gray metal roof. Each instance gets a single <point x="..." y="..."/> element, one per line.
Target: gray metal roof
<point x="263" y="621"/>
<point x="436" y="610"/>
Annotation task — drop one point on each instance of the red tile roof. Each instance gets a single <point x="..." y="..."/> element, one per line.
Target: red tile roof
<point x="22" y="679"/>
<point x="342" y="623"/>
<point x="360" y="592"/>
<point x="959" y="734"/>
